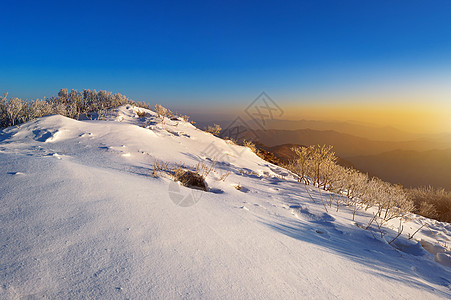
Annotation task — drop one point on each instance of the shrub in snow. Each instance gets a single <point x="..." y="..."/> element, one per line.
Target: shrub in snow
<point x="163" y="112"/>
<point x="215" y="129"/>
<point x="250" y="145"/>
<point x="141" y="114"/>
<point x="186" y="119"/>
<point x="190" y="179"/>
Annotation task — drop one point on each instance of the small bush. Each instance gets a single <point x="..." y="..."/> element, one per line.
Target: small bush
<point x="190" y="179"/>
<point x="215" y="129"/>
<point x="141" y="114"/>
<point x="163" y="112"/>
<point x="251" y="146"/>
<point x="185" y="118"/>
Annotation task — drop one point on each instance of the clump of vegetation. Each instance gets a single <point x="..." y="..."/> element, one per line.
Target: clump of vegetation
<point x="231" y="141"/>
<point x="186" y="118"/>
<point x="259" y="150"/>
<point x="190" y="179"/>
<point x="73" y="104"/>
<point x="141" y="114"/>
<point x="215" y="129"/>
<point x="431" y="202"/>
<point x="163" y="112"/>
<point x="204" y="169"/>
<point x="160" y="167"/>
<point x="263" y="154"/>
<point x="251" y="146"/>
<point x="194" y="178"/>
<point x="224" y="176"/>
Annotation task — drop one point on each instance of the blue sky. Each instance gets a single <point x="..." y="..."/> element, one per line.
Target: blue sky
<point x="220" y="53"/>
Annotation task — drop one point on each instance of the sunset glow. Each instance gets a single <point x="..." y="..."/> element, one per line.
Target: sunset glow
<point x="414" y="117"/>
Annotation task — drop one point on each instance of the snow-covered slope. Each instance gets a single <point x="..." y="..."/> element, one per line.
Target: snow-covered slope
<point x="82" y="215"/>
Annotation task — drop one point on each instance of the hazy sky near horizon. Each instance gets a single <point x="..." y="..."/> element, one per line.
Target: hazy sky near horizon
<point x="385" y="62"/>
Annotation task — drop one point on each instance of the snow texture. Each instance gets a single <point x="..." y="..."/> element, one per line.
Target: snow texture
<point x="82" y="216"/>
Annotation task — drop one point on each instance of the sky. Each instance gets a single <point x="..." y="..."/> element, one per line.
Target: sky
<point x="386" y="62"/>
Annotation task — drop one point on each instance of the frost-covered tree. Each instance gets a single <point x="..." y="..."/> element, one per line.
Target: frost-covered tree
<point x="356" y="187"/>
<point x="315" y="163"/>
<point x="63" y="95"/>
<point x="13" y="111"/>
<point x="300" y="165"/>
<point x="90" y="98"/>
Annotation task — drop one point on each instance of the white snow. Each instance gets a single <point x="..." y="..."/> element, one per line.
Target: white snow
<point x="81" y="216"/>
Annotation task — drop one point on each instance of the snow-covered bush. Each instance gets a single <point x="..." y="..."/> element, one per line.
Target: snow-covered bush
<point x="186" y="118"/>
<point x="140" y="113"/>
<point x="215" y="129"/>
<point x="163" y="112"/>
<point x="250" y="145"/>
<point x="14" y="112"/>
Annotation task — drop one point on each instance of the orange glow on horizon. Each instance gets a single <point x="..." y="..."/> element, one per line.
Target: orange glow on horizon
<point x="412" y="117"/>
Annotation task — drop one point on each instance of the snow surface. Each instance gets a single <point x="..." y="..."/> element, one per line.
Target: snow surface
<point x="82" y="216"/>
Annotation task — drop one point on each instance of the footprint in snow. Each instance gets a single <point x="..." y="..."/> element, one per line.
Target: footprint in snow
<point x="56" y="155"/>
<point x="46" y="135"/>
<point x="15" y="173"/>
<point x="324" y="233"/>
<point x="86" y="134"/>
<point x="323" y="219"/>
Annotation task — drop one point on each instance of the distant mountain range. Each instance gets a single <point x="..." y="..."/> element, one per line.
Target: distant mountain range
<point x="409" y="168"/>
<point x="346" y="145"/>
<point x="357" y="129"/>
